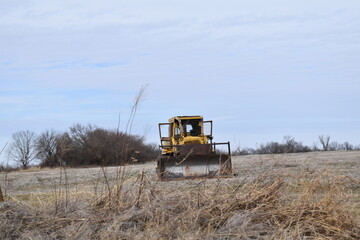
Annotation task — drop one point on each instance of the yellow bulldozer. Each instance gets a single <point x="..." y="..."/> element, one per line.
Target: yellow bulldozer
<point x="188" y="150"/>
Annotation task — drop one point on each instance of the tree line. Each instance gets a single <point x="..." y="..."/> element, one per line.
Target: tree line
<point x="91" y="145"/>
<point x="80" y="145"/>
<point x="290" y="145"/>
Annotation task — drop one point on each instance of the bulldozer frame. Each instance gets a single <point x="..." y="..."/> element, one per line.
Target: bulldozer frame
<point x="188" y="152"/>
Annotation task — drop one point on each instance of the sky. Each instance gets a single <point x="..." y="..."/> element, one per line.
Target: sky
<point x="260" y="69"/>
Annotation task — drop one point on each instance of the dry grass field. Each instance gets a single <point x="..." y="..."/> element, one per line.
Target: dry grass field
<point x="286" y="196"/>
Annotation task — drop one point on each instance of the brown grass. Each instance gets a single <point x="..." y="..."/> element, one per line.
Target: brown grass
<point x="274" y="206"/>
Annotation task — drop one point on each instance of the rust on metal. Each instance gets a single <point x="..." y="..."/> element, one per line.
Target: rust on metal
<point x="195" y="149"/>
<point x="1" y="196"/>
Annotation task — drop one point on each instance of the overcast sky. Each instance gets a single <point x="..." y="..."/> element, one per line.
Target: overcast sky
<point x="259" y="69"/>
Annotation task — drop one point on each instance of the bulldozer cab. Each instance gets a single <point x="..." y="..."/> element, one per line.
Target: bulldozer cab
<point x="188" y="150"/>
<point x="183" y="130"/>
<point x="191" y="127"/>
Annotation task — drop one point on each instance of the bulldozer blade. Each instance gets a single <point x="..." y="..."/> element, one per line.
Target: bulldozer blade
<point x="194" y="166"/>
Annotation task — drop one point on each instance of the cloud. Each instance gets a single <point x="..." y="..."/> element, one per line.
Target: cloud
<point x="82" y="64"/>
<point x="246" y="61"/>
<point x="8" y="100"/>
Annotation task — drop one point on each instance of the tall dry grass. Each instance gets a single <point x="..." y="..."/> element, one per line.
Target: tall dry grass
<point x="306" y="205"/>
<point x="316" y="206"/>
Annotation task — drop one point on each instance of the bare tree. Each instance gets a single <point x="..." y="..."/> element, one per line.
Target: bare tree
<point x="79" y="133"/>
<point x="315" y="147"/>
<point x="46" y="147"/>
<point x="289" y="144"/>
<point x="334" y="146"/>
<point x="63" y="147"/>
<point x="324" y="140"/>
<point x="22" y="149"/>
<point x="348" y="146"/>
